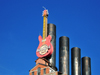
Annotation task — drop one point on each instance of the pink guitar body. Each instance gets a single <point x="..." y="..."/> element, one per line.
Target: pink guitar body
<point x="45" y="47"/>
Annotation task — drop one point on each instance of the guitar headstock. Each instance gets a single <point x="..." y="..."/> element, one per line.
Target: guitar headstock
<point x="45" y="12"/>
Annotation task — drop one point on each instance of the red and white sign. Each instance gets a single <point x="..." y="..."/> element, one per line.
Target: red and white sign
<point x="45" y="47"/>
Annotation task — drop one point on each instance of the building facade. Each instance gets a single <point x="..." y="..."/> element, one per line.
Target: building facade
<point x="43" y="68"/>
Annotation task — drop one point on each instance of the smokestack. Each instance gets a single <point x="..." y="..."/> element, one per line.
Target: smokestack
<point x="86" y="66"/>
<point x="64" y="55"/>
<point x="51" y="30"/>
<point x="76" y="61"/>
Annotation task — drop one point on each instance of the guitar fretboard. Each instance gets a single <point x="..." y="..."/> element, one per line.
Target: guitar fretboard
<point x="44" y="27"/>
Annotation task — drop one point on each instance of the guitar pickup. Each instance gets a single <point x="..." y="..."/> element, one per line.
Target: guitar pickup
<point x="44" y="40"/>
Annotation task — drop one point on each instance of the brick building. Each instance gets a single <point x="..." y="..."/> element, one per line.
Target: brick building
<point x="43" y="68"/>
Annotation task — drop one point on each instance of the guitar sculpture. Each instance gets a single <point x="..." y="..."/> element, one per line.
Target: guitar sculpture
<point x="45" y="47"/>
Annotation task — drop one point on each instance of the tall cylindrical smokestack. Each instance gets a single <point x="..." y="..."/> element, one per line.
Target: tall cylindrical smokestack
<point x="64" y="55"/>
<point x="76" y="61"/>
<point x="86" y="66"/>
<point x="51" y="30"/>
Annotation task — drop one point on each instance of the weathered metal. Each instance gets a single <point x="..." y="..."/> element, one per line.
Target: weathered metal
<point x="64" y="55"/>
<point x="51" y="30"/>
<point x="75" y="61"/>
<point x="86" y="66"/>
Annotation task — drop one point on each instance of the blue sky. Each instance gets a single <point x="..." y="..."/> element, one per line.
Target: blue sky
<point x="21" y="22"/>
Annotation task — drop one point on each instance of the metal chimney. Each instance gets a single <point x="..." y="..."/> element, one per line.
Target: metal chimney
<point x="75" y="61"/>
<point x="86" y="66"/>
<point x="64" y="55"/>
<point x="51" y="30"/>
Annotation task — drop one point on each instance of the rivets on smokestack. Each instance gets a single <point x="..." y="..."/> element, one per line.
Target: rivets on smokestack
<point x="86" y="66"/>
<point x="51" y="30"/>
<point x="75" y="61"/>
<point x="64" y="55"/>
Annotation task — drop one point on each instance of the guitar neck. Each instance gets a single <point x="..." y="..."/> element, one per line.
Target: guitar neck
<point x="44" y="27"/>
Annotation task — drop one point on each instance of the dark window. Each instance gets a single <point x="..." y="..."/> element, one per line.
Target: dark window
<point x="39" y="71"/>
<point x="32" y="73"/>
<point x="44" y="70"/>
